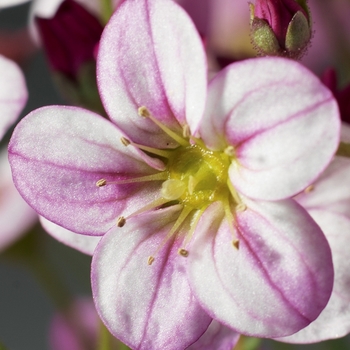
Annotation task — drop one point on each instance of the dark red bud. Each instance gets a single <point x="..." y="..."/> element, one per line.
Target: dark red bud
<point x="70" y="37"/>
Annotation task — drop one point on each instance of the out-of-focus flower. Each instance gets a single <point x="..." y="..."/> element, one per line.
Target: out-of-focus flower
<point x="328" y="202"/>
<point x="13" y="93"/>
<point x="15" y="214"/>
<point x="280" y="27"/>
<point x="331" y="39"/>
<point x="217" y="336"/>
<point x="16" y="217"/>
<point x="193" y="185"/>
<point x="342" y="96"/>
<point x="224" y="26"/>
<point x="77" y="328"/>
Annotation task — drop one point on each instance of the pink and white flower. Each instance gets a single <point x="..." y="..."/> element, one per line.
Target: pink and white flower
<point x="13" y="93"/>
<point x="15" y="214"/>
<point x="194" y="184"/>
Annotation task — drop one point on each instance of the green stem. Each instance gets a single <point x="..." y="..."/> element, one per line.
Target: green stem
<point x="106" y="340"/>
<point x="107" y="10"/>
<point x="247" y="343"/>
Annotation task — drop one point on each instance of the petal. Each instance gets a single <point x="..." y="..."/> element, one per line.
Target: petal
<point x="16" y="216"/>
<point x="331" y="191"/>
<point x="58" y="153"/>
<point x="279" y="279"/>
<point x="276" y="114"/>
<point x="218" y="337"/>
<point x="13" y="93"/>
<point x="45" y="8"/>
<point x="8" y="3"/>
<point x="84" y="244"/>
<point x="151" y="55"/>
<point x="334" y="320"/>
<point x="146" y="306"/>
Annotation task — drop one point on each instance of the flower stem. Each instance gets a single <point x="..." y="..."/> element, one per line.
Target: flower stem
<point x="247" y="343"/>
<point x="107" y="10"/>
<point x="106" y="340"/>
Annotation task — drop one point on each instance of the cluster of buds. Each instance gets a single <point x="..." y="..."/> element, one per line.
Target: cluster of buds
<point x="280" y="27"/>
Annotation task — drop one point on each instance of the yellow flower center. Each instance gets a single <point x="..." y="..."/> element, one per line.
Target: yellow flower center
<point x="194" y="177"/>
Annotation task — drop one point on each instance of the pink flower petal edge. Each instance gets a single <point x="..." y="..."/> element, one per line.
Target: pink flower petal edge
<point x="13" y="93"/>
<point x="82" y="243"/>
<point x="16" y="216"/>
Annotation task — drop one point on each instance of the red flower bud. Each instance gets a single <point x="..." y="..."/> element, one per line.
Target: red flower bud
<point x="280" y="27"/>
<point x="70" y="38"/>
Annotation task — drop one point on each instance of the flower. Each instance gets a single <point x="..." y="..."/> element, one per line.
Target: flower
<point x="15" y="215"/>
<point x="281" y="27"/>
<point x="13" y="93"/>
<point x="190" y="187"/>
<point x="77" y="328"/>
<point x="70" y="37"/>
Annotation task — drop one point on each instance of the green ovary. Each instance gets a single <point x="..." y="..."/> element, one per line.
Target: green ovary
<point x="197" y="176"/>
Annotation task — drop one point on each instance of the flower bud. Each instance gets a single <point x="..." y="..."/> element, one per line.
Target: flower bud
<point x="70" y="39"/>
<point x="280" y="27"/>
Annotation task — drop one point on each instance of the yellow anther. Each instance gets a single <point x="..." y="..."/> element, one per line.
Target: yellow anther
<point x="230" y="151"/>
<point x="125" y="141"/>
<point x="183" y="252"/>
<point x="143" y="112"/>
<point x="241" y="207"/>
<point x="309" y="189"/>
<point x="101" y="183"/>
<point x="235" y="243"/>
<point x="121" y="221"/>
<point x="186" y="131"/>
<point x="150" y="260"/>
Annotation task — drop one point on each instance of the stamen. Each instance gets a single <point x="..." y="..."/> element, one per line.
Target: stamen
<point x="309" y="189"/>
<point x="192" y="183"/>
<point x="121" y="221"/>
<point x="154" y="177"/>
<point x="233" y="192"/>
<point x="159" y="152"/>
<point x="156" y="203"/>
<point x="183" y="252"/>
<point x="101" y="183"/>
<point x="125" y="141"/>
<point x="186" y="133"/>
<point x="230" y="151"/>
<point x="230" y="219"/>
<point x="150" y="260"/>
<point x="241" y="207"/>
<point x="183" y="215"/>
<point x="144" y="112"/>
<point x="235" y="243"/>
<point x="193" y="225"/>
